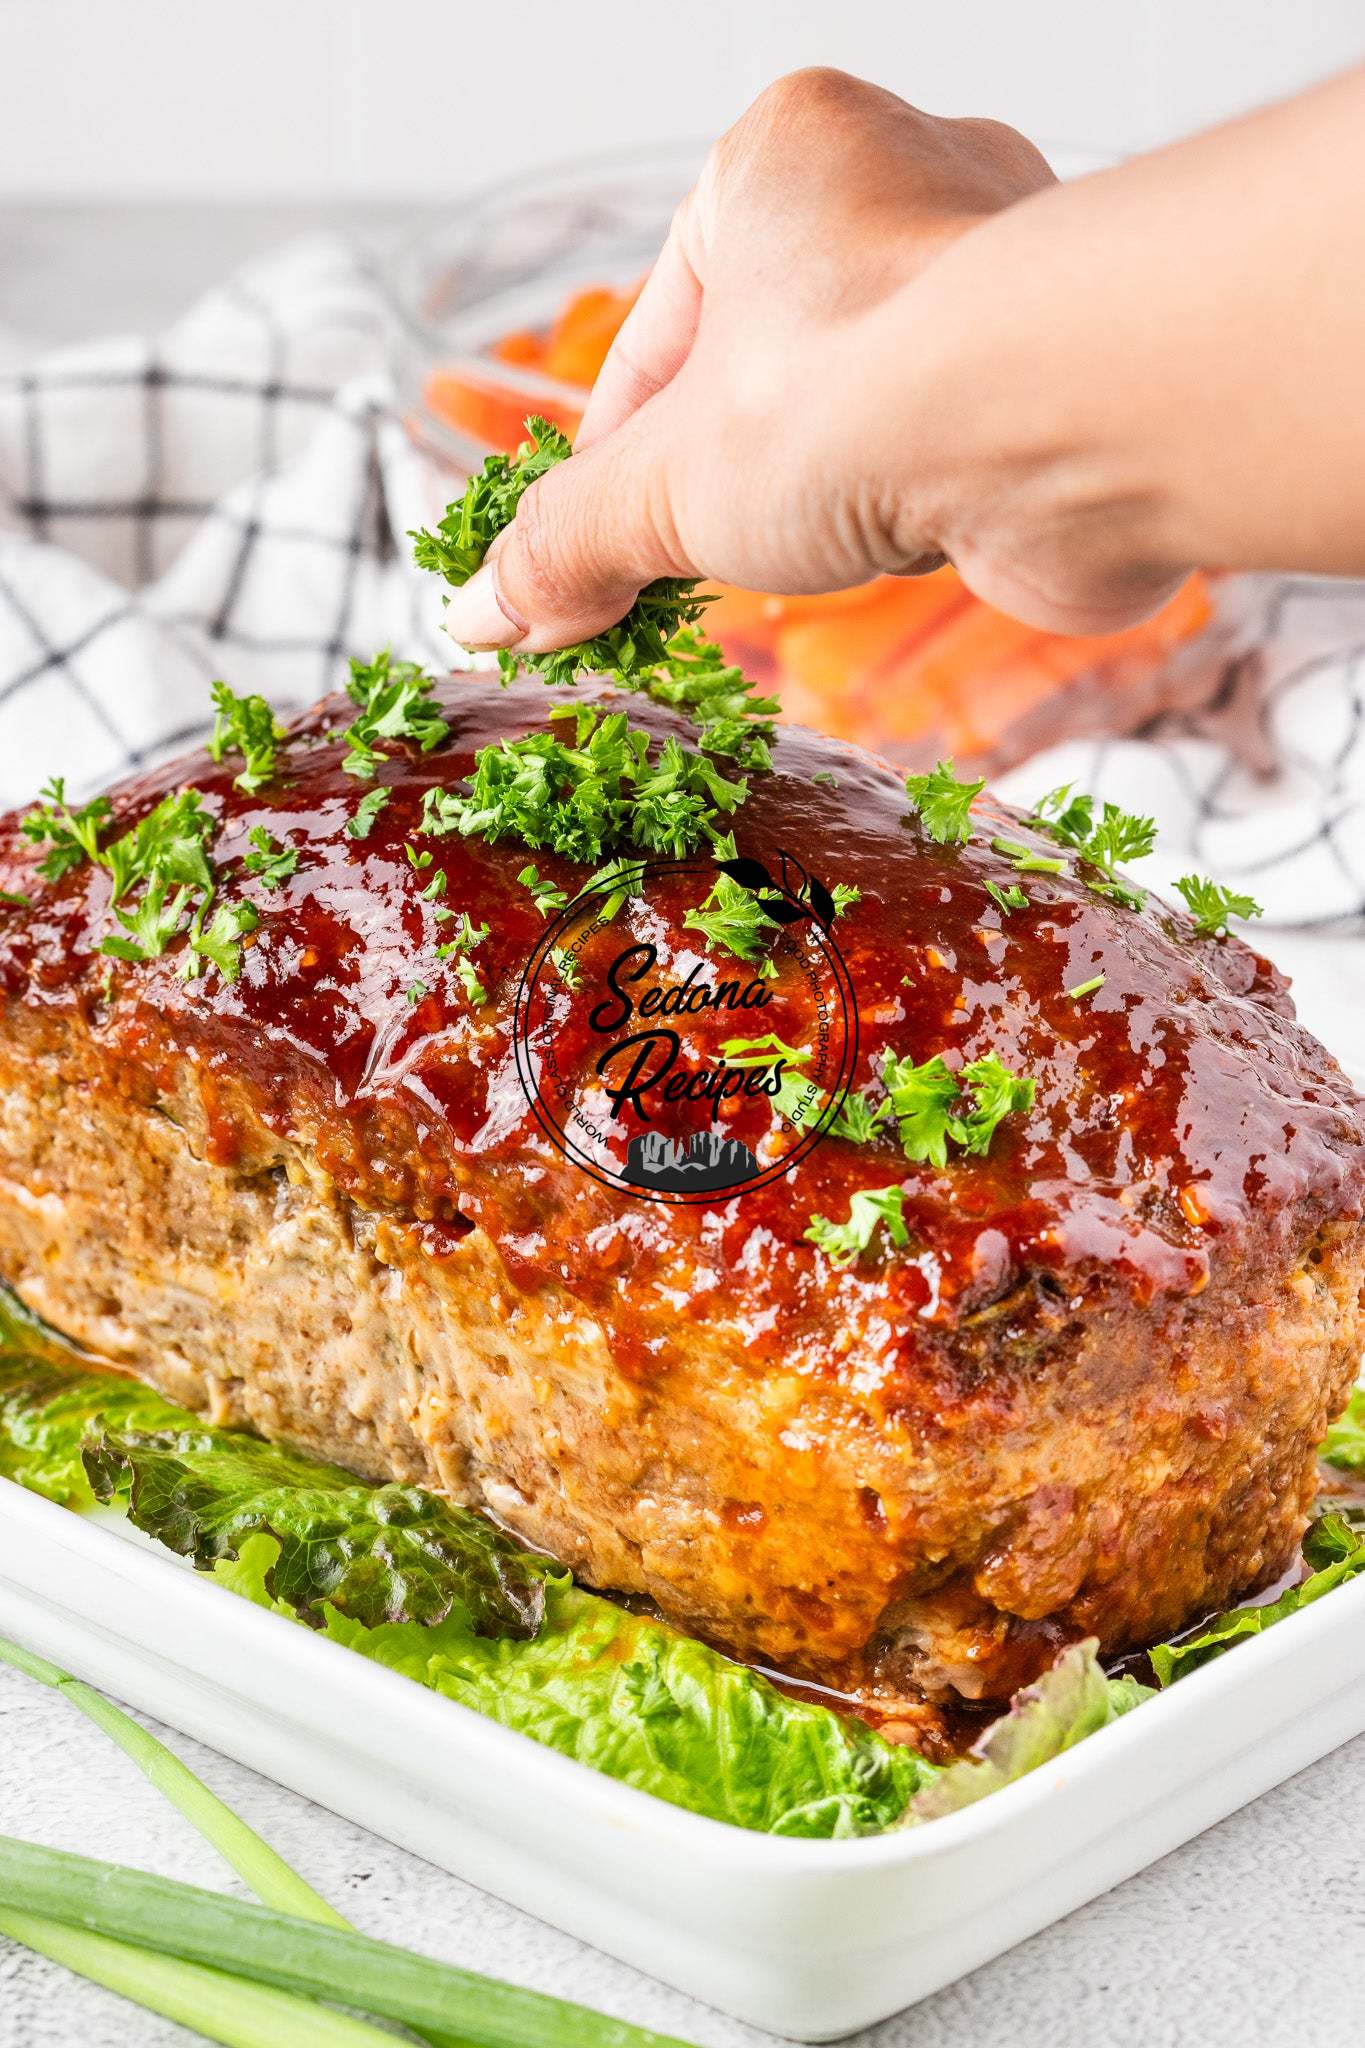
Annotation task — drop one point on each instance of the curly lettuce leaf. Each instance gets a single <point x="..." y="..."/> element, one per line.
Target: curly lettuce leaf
<point x="1065" y="1705"/>
<point x="1344" y="1443"/>
<point x="1336" y="1553"/>
<point x="45" y="1412"/>
<point x="642" y="1703"/>
<point x="377" y="1553"/>
<point x="620" y="1692"/>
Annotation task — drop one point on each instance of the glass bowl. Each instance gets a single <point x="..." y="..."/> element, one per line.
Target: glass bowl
<point x="504" y="267"/>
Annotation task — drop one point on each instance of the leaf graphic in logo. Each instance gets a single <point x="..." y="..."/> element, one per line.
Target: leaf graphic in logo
<point x="750" y="874"/>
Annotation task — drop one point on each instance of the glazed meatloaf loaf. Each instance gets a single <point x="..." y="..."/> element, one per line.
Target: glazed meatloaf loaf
<point x="1071" y="1384"/>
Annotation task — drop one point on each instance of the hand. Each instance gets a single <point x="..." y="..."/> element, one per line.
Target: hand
<point x="875" y="338"/>
<point x="756" y="419"/>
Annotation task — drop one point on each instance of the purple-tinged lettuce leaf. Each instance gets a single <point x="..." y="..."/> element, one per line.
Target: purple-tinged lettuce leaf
<point x="1065" y="1705"/>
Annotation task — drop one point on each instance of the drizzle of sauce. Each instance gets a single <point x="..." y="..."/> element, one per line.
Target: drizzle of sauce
<point x="1179" y="1111"/>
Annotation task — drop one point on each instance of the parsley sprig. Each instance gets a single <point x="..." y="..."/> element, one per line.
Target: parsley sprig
<point x="72" y="836"/>
<point x="457" y="949"/>
<point x="1211" y="905"/>
<point x="245" y="726"/>
<point x="1104" y="842"/>
<point x="931" y="1105"/>
<point x="488" y="504"/>
<point x="394" y="701"/>
<point x="869" y="1210"/>
<point x="162" y="879"/>
<point x="733" y="917"/>
<point x="943" y="802"/>
<point x="269" y="861"/>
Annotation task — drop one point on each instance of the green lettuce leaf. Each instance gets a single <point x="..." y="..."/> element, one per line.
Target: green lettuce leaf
<point x="1336" y="1553"/>
<point x="1065" y="1705"/>
<point x="1344" y="1443"/>
<point x="642" y="1703"/>
<point x="376" y="1553"/>
<point x="621" y="1692"/>
<point x="46" y="1411"/>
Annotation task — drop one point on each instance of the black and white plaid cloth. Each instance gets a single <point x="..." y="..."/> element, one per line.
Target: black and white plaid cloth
<point x="232" y="497"/>
<point x="229" y="499"/>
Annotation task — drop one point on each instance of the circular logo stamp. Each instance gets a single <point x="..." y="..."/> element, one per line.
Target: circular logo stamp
<point x="687" y="1030"/>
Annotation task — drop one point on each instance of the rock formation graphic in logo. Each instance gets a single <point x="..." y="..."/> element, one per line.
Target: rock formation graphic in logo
<point x="686" y="1030"/>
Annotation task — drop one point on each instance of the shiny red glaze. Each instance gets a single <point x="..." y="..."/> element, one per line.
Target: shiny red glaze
<point x="1185" y="1072"/>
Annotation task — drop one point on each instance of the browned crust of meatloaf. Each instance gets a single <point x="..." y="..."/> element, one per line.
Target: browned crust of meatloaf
<point x="1148" y="1466"/>
<point x="1084" y="1397"/>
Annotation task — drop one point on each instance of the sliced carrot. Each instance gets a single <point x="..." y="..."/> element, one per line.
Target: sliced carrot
<point x="523" y="346"/>
<point x="584" y="331"/>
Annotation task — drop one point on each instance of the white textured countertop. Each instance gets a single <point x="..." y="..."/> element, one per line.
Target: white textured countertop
<point x="1252" y="1933"/>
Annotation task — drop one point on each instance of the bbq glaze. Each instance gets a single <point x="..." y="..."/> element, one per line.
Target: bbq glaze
<point x="1179" y="1111"/>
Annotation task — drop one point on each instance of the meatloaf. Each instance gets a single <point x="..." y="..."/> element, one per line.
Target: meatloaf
<point x="1082" y="1397"/>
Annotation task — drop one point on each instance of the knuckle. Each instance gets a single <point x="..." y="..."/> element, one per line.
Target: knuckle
<point x="818" y="88"/>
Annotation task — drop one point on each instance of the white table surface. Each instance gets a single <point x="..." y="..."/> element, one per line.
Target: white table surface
<point x="1254" y="1933"/>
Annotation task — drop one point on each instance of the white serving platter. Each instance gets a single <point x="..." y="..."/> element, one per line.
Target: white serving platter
<point x="810" y="1939"/>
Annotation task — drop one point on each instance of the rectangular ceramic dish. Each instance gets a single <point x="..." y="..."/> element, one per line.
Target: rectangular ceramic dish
<point x="807" y="1938"/>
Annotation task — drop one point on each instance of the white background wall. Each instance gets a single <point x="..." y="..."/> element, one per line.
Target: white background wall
<point x="114" y="100"/>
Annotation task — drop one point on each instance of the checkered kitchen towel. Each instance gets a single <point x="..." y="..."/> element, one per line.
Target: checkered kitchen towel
<point x="231" y="499"/>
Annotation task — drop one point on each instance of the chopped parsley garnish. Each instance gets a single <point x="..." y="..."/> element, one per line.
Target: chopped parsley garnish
<point x="547" y="897"/>
<point x="615" y="883"/>
<point x="270" y="862"/>
<point x="826" y="778"/>
<point x="869" y="1210"/>
<point x="488" y="504"/>
<point x="220" y="940"/>
<point x="692" y="675"/>
<point x="943" y="803"/>
<point x="161" y="877"/>
<point x="928" y="1102"/>
<point x="565" y="968"/>
<point x="360" y="824"/>
<point x="394" y="698"/>
<point x="473" y="987"/>
<point x="245" y="726"/>
<point x="845" y="895"/>
<point x="1210" y="905"/>
<point x="153" y="921"/>
<point x="1086" y="988"/>
<point x="467" y="935"/>
<point x="74" y="835"/>
<point x="923" y="1099"/>
<point x="858" y="1119"/>
<point x="1024" y="860"/>
<point x="582" y="796"/>
<point x="653" y="649"/>
<point x="1011" y="897"/>
<point x="995" y="1094"/>
<point x="171" y="842"/>
<point x="733" y="917"/>
<point x="416" y="992"/>
<point x="1103" y="842"/>
<point x="15" y="899"/>
<point x="761" y="1052"/>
